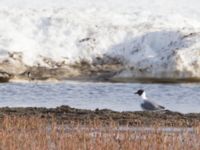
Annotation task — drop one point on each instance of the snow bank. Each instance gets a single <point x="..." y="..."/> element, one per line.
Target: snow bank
<point x="156" y="39"/>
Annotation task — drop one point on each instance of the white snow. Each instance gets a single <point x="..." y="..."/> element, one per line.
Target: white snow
<point x="154" y="38"/>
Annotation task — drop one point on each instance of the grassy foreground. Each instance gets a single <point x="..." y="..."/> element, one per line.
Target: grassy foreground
<point x="34" y="133"/>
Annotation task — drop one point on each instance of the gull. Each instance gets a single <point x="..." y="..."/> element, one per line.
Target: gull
<point x="146" y="104"/>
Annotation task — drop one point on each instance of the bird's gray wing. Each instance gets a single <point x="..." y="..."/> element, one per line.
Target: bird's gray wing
<point x="148" y="105"/>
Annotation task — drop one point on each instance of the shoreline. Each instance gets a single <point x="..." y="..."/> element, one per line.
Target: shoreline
<point x="97" y="79"/>
<point x="14" y="70"/>
<point x="66" y="115"/>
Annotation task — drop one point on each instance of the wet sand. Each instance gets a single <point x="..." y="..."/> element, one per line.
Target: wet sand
<point x="66" y="115"/>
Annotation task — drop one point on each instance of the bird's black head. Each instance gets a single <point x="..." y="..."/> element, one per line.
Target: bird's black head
<point x="139" y="92"/>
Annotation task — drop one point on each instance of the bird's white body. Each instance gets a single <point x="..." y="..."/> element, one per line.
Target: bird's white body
<point x="143" y="95"/>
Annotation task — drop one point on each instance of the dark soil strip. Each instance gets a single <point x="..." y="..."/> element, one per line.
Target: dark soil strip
<point x="66" y="114"/>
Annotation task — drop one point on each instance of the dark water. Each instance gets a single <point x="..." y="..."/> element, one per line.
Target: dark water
<point x="91" y="95"/>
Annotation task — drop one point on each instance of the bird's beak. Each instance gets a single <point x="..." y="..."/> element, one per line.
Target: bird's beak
<point x="135" y="93"/>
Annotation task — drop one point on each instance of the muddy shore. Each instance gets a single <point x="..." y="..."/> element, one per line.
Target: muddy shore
<point x="66" y="114"/>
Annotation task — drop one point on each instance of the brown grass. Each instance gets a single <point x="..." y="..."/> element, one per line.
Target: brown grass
<point x="33" y="133"/>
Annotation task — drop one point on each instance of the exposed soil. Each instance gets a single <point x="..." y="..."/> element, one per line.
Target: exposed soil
<point x="66" y="114"/>
<point x="104" y="68"/>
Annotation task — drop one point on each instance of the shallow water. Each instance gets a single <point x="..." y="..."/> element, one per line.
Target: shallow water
<point x="91" y="95"/>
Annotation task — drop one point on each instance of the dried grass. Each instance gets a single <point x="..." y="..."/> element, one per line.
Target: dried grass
<point x="33" y="133"/>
